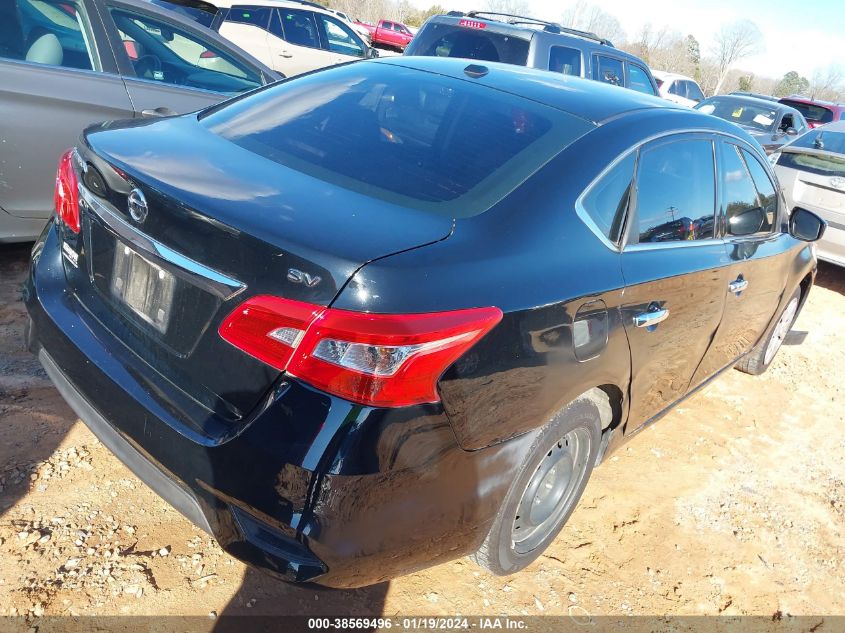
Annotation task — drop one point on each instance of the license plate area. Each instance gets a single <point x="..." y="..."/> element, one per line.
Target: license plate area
<point x="142" y="286"/>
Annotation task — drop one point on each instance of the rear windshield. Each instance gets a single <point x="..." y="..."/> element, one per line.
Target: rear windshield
<point x="746" y="113"/>
<point x="450" y="40"/>
<point x="821" y="139"/>
<point x="814" y="163"/>
<point x="407" y="136"/>
<point x="814" y="113"/>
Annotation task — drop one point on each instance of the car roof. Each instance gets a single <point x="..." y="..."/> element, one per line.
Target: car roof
<point x="835" y="126"/>
<point x="287" y="4"/>
<point x="775" y="105"/>
<point x="665" y="75"/>
<point x="591" y="100"/>
<point x="811" y="101"/>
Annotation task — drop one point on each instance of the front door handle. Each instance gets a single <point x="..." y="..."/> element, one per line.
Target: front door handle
<point x="160" y="111"/>
<point x="738" y="285"/>
<point x="285" y="54"/>
<point x="651" y="318"/>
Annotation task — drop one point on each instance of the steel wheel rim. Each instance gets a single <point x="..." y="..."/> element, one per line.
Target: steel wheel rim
<point x="551" y="491"/>
<point x="781" y="330"/>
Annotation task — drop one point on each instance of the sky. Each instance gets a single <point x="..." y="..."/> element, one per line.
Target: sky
<point x="801" y="36"/>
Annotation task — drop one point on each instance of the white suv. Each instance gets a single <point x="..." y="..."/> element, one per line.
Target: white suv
<point x="678" y="88"/>
<point x="290" y="36"/>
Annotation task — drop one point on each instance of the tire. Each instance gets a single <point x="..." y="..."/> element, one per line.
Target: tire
<point x="569" y="445"/>
<point x="761" y="356"/>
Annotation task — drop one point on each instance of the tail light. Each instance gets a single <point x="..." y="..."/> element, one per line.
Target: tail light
<point x="66" y="196"/>
<point x="384" y="360"/>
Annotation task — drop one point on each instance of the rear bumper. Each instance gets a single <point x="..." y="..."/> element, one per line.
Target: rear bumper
<point x="312" y="488"/>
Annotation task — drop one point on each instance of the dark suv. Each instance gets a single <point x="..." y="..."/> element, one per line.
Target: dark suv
<point x="524" y="41"/>
<point x="816" y="112"/>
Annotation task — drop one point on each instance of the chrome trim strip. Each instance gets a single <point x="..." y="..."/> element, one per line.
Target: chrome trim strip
<point x="207" y="278"/>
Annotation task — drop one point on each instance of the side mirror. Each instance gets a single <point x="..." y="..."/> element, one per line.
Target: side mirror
<point x="806" y="225"/>
<point x="791" y="131"/>
<point x="372" y="53"/>
<point x="747" y="222"/>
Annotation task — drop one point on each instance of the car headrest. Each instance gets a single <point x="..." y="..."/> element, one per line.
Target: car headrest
<point x="47" y="49"/>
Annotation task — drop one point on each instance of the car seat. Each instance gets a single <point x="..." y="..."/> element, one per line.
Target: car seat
<point x="46" y="49"/>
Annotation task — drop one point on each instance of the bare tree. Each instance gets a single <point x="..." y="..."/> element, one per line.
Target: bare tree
<point x="733" y="43"/>
<point x="827" y="83"/>
<point x="594" y="19"/>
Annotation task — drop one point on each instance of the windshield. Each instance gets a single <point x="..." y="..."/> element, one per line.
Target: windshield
<point x="406" y="136"/>
<point x="751" y="115"/>
<point x="814" y="113"/>
<point x="450" y="40"/>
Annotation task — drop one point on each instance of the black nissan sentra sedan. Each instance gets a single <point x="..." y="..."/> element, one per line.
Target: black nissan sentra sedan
<point x="392" y="313"/>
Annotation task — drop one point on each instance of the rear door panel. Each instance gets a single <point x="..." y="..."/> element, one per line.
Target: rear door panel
<point x="49" y="107"/>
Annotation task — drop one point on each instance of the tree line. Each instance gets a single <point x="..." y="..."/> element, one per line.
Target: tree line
<point x="716" y="69"/>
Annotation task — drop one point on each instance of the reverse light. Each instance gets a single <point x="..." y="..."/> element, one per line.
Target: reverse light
<point x="66" y="195"/>
<point x="384" y="360"/>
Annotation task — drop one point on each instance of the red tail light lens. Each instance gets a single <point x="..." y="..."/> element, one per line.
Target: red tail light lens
<point x="66" y="196"/>
<point x="384" y="360"/>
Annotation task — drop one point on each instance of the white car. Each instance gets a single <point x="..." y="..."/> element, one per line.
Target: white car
<point x="290" y="36"/>
<point x="678" y="88"/>
<point x="811" y="171"/>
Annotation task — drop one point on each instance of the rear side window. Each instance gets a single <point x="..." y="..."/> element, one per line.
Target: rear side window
<point x="639" y="80"/>
<point x="256" y="16"/>
<point x="609" y="70"/>
<point x="694" y="92"/>
<point x="448" y="40"/>
<point x="47" y="32"/>
<point x="408" y="137"/>
<point x="606" y="203"/>
<point x="565" y="60"/>
<point x="745" y="209"/>
<point x="675" y="192"/>
<point x="299" y="28"/>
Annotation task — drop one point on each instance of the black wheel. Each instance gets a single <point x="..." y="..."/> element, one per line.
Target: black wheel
<point x="547" y="487"/>
<point x="761" y="356"/>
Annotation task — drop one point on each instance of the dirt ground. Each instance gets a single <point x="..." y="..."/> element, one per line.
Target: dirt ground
<point x="732" y="504"/>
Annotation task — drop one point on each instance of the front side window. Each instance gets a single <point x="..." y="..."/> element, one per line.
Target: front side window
<point x="299" y="28"/>
<point x="48" y="32"/>
<point x="606" y="203"/>
<point x="609" y="70"/>
<point x="675" y="192"/>
<point x="565" y="60"/>
<point x="417" y="139"/>
<point x="255" y="16"/>
<point x="340" y="37"/>
<point x="639" y="80"/>
<point x="164" y="53"/>
<point x="746" y="210"/>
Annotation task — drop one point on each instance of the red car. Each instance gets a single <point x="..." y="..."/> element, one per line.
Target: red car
<point x="389" y="33"/>
<point x="816" y="112"/>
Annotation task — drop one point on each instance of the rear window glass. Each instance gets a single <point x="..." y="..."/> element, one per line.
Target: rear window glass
<point x="449" y="40"/>
<point x="565" y="60"/>
<point x="814" y="113"/>
<point x="406" y="136"/>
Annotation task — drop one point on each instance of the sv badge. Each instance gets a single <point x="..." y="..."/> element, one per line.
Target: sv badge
<point x="306" y="279"/>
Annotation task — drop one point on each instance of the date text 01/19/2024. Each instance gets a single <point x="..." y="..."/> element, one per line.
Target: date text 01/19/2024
<point x="423" y="623"/>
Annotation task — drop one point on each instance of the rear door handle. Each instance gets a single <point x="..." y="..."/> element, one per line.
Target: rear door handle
<point x="651" y="318"/>
<point x="738" y="285"/>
